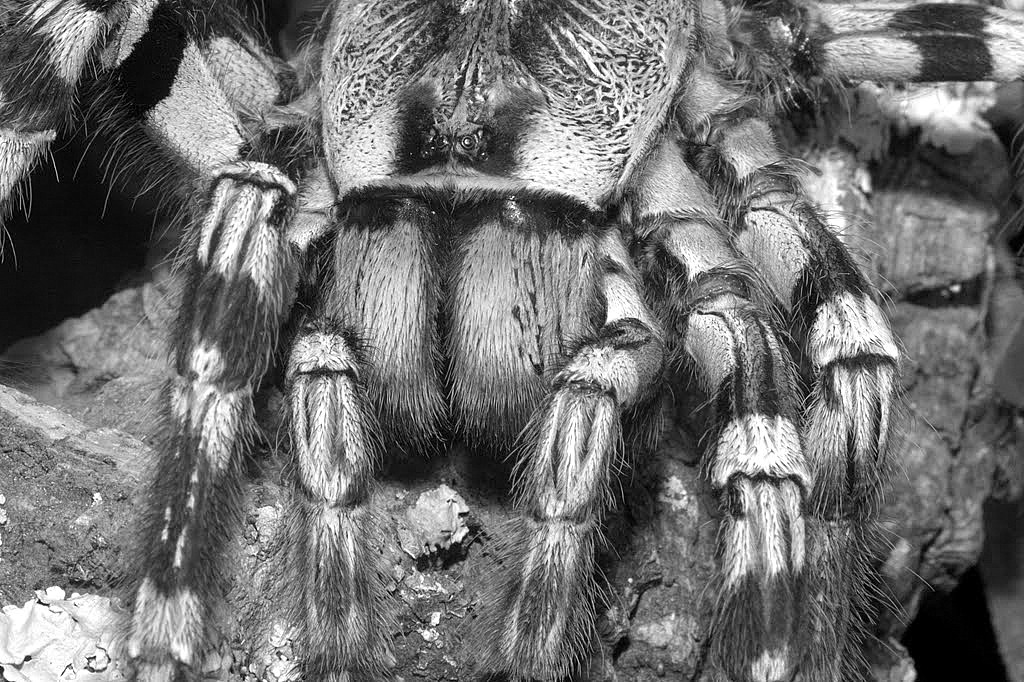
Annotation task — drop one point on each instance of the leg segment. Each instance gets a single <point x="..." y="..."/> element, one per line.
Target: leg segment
<point x="184" y="81"/>
<point x="722" y="332"/>
<point x="43" y="50"/>
<point x="883" y="41"/>
<point x="852" y="355"/>
<point x="543" y="603"/>
<point x="243" y="272"/>
<point x="166" y="68"/>
<point x="333" y="577"/>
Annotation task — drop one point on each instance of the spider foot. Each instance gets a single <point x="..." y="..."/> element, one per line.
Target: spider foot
<point x="853" y="406"/>
<point x="840" y="565"/>
<point x="337" y="677"/>
<point x="543" y="600"/>
<point x="541" y="611"/>
<point x="335" y="585"/>
<point x="327" y="670"/>
<point x="167" y="635"/>
<point x="163" y="672"/>
<point x="848" y="438"/>
<point x="761" y="477"/>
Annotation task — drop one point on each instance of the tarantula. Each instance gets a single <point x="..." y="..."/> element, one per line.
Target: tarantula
<point x="499" y="221"/>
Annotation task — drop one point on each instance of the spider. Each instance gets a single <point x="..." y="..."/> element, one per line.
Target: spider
<point x="501" y="221"/>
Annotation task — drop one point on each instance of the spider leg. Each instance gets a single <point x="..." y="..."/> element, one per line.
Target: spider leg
<point x="387" y="285"/>
<point x="44" y="51"/>
<point x="885" y="41"/>
<point x="714" y="308"/>
<point x="362" y="365"/>
<point x="541" y="606"/>
<point x="241" y="261"/>
<point x="853" y="360"/>
<point x="136" y="63"/>
<point x="332" y="565"/>
<point x="166" y="72"/>
<point x="242" y="270"/>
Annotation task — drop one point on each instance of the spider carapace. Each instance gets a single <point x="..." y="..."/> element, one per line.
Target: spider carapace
<point x="439" y="94"/>
<point x="500" y="220"/>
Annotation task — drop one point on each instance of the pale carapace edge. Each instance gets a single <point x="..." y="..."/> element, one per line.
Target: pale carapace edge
<point x="499" y="221"/>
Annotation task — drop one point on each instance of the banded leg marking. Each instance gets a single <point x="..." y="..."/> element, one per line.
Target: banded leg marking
<point x="710" y="299"/>
<point x="845" y="335"/>
<point x="73" y="30"/>
<point x="333" y="563"/>
<point x="195" y="492"/>
<point x="854" y="404"/>
<point x="541" y="610"/>
<point x="186" y="84"/>
<point x="43" y="52"/>
<point x="887" y="41"/>
<point x="922" y="42"/>
<point x="190" y="85"/>
<point x="854" y="361"/>
<point x="756" y="465"/>
<point x="242" y="270"/>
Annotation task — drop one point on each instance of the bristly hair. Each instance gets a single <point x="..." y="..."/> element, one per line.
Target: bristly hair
<point x="773" y="56"/>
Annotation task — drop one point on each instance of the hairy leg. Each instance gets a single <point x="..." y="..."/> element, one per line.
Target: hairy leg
<point x="242" y="272"/>
<point x="137" y="64"/>
<point x="387" y="283"/>
<point x="721" y="330"/>
<point x="333" y="573"/>
<point x="164" y="72"/>
<point x="44" y="49"/>
<point x="542" y="604"/>
<point x="852" y="358"/>
<point x="881" y="41"/>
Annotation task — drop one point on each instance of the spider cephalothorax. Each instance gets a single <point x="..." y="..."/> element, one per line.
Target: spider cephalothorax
<point x="499" y="221"/>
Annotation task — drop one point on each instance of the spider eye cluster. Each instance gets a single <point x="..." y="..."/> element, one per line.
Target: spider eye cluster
<point x="466" y="146"/>
<point x="470" y="142"/>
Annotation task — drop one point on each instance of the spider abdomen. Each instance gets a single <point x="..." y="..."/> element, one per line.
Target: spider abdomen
<point x="466" y="314"/>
